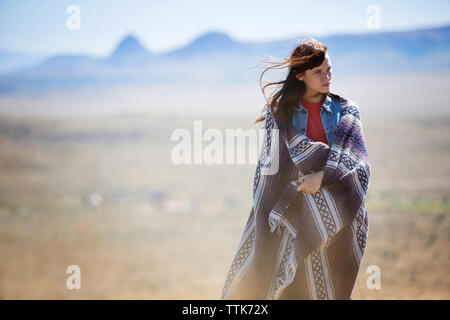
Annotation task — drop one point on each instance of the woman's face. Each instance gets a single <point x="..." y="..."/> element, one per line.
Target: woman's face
<point x="318" y="78"/>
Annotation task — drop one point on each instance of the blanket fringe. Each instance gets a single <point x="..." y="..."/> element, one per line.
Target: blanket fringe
<point x="291" y="267"/>
<point x="288" y="265"/>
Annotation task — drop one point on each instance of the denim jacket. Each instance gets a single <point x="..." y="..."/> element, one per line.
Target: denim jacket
<point x="330" y="114"/>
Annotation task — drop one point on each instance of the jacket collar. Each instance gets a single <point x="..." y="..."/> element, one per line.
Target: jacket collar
<point x="326" y="105"/>
<point x="289" y="134"/>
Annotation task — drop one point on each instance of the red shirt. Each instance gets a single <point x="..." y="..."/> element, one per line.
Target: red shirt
<point x="314" y="128"/>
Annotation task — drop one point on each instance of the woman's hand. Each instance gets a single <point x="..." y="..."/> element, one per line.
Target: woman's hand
<point x="310" y="183"/>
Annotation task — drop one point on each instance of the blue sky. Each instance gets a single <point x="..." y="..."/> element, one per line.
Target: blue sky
<point x="40" y="26"/>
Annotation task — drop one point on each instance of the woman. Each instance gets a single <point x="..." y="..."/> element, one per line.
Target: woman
<point x="310" y="185"/>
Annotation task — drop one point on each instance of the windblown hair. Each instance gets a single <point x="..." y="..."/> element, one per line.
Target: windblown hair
<point x="309" y="54"/>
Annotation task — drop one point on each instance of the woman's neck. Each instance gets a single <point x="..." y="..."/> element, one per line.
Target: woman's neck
<point x="313" y="98"/>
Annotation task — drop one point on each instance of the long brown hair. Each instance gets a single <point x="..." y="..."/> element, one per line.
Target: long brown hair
<point x="309" y="54"/>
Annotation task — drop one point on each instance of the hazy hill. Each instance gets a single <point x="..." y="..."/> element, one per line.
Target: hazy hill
<point x="215" y="57"/>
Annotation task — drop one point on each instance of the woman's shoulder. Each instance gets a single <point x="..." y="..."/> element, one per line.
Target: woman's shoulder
<point x="347" y="105"/>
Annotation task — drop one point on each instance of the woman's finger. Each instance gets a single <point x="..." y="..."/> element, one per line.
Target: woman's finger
<point x="306" y="189"/>
<point x="311" y="191"/>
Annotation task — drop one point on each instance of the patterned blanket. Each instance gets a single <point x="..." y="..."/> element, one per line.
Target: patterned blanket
<point x="320" y="238"/>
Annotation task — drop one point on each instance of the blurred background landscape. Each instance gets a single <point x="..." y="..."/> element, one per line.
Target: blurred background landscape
<point x="86" y="176"/>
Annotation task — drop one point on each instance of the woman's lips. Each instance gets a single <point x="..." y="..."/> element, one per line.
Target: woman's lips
<point x="326" y="85"/>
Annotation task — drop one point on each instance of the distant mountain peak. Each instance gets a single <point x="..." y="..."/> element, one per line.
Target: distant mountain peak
<point x="212" y="42"/>
<point x="130" y="46"/>
<point x="130" y="51"/>
<point x="214" y="57"/>
<point x="213" y="37"/>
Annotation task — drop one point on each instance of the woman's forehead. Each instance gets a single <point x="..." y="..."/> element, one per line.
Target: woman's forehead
<point x="326" y="62"/>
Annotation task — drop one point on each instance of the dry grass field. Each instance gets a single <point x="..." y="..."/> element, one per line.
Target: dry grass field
<point x="102" y="193"/>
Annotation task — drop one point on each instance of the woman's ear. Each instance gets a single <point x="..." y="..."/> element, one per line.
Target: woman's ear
<point x="299" y="76"/>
